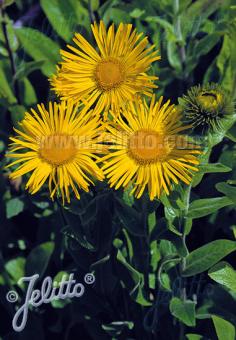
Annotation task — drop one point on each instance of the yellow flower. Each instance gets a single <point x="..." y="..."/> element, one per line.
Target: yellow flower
<point x="57" y="145"/>
<point x="148" y="150"/>
<point x="108" y="77"/>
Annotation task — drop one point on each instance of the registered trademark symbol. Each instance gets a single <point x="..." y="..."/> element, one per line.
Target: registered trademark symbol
<point x="89" y="278"/>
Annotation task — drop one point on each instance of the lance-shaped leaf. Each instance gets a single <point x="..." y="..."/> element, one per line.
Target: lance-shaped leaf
<point x="224" y="274"/>
<point x="224" y="329"/>
<point x="40" y="48"/>
<point x="205" y="257"/>
<point x="206" y="206"/>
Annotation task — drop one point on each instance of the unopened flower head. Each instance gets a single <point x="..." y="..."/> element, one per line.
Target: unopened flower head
<point x="205" y="106"/>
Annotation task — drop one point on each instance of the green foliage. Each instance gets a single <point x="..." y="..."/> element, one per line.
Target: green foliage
<point x="224" y="274"/>
<point x="164" y="269"/>
<point x="183" y="311"/>
<point x="206" y="206"/>
<point x="40" y="48"/>
<point x="206" y="256"/>
<point x="13" y="207"/>
<point x="38" y="259"/>
<point x="224" y="329"/>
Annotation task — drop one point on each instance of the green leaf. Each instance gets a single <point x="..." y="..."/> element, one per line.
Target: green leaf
<point x="17" y="113"/>
<point x="132" y="279"/>
<point x="128" y="199"/>
<point x="7" y="3"/>
<point x="116" y="15"/>
<point x="167" y="249"/>
<point x="28" y="94"/>
<point x="61" y="15"/>
<point x="173" y="56"/>
<point x="206" y="206"/>
<point x="38" y="259"/>
<point x="79" y="237"/>
<point x="39" y="47"/>
<point x="184" y="311"/>
<point x="136" y="276"/>
<point x="191" y="336"/>
<point x="2" y="146"/>
<point x="205" y="257"/>
<point x="95" y="4"/>
<point x="99" y="262"/>
<point x="16" y="268"/>
<point x="231" y="133"/>
<point x="224" y="329"/>
<point x="26" y="68"/>
<point x="163" y="277"/>
<point x="169" y="29"/>
<point x="60" y="304"/>
<point x="155" y="255"/>
<point x="3" y="51"/>
<point x="129" y="217"/>
<point x="204" y="45"/>
<point x="165" y="282"/>
<point x="228" y="190"/>
<point x="151" y="221"/>
<point x="203" y="8"/>
<point x="57" y="303"/>
<point x="214" y="168"/>
<point x="81" y="13"/>
<point x="2" y="281"/>
<point x="5" y="88"/>
<point x="12" y="39"/>
<point x="116" y="328"/>
<point x="226" y="62"/>
<point x="163" y="231"/>
<point x="89" y="214"/>
<point x="137" y="13"/>
<point x="224" y="274"/>
<point x="14" y="207"/>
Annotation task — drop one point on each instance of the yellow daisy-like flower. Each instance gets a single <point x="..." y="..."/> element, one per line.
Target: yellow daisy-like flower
<point x="57" y="145"/>
<point x="110" y="76"/>
<point x="148" y="150"/>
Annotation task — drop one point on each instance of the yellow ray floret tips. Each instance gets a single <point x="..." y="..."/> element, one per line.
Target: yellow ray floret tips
<point x="110" y="75"/>
<point x="148" y="149"/>
<point x="57" y="146"/>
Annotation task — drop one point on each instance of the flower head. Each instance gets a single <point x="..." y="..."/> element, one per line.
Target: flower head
<point x="110" y="76"/>
<point x="205" y="106"/>
<point x="148" y="150"/>
<point x="58" y="146"/>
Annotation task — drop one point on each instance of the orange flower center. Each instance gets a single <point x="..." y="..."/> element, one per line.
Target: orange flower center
<point x="109" y="74"/>
<point x="57" y="149"/>
<point x="146" y="146"/>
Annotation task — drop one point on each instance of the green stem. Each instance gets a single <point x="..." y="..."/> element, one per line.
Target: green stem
<point x="160" y="269"/>
<point x="182" y="266"/>
<point x="145" y="244"/>
<point x="91" y="14"/>
<point x="11" y="56"/>
<point x="178" y="31"/>
<point x="187" y="199"/>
